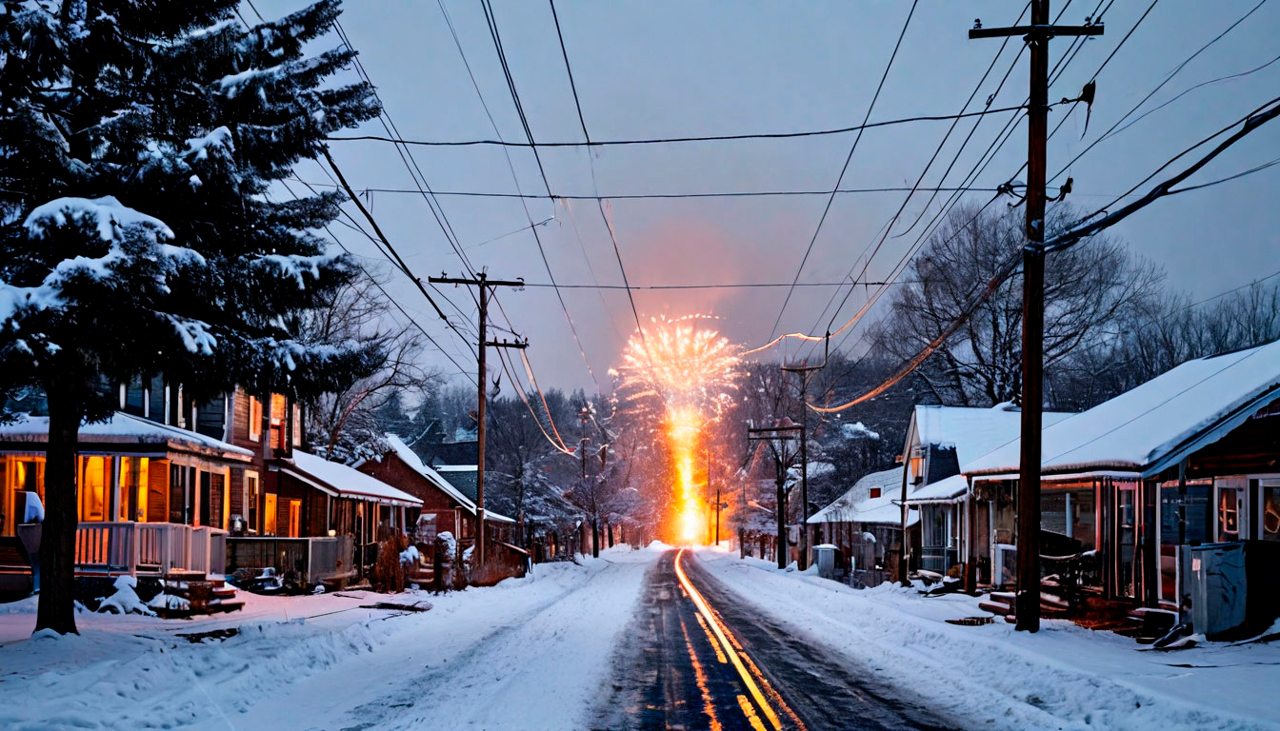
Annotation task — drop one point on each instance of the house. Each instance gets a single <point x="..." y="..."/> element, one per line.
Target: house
<point x="1144" y="481"/>
<point x="444" y="506"/>
<point x="152" y="498"/>
<point x="940" y="439"/>
<point x="164" y="481"/>
<point x="865" y="523"/>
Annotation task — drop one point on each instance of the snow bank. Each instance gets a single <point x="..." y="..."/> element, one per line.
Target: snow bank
<point x="989" y="676"/>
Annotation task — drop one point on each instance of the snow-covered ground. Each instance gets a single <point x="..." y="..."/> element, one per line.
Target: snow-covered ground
<point x="1064" y="677"/>
<point x="542" y="644"/>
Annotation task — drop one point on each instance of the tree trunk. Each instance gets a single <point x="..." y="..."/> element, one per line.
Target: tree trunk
<point x="56" y="610"/>
<point x="595" y="538"/>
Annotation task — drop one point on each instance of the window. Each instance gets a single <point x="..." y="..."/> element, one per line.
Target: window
<point x="1084" y="518"/>
<point x="133" y="488"/>
<point x="93" y="488"/>
<point x="917" y="466"/>
<point x="255" y="419"/>
<point x="251" y="501"/>
<point x="1053" y="512"/>
<point x="1271" y="510"/>
<point x="279" y="409"/>
<point x="295" y="518"/>
<point x="135" y="398"/>
<point x="1231" y="517"/>
<point x="875" y="492"/>
<point x="269" y="515"/>
<point x="935" y="525"/>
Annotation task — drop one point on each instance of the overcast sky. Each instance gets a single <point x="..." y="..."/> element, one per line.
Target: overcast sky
<point x="659" y="69"/>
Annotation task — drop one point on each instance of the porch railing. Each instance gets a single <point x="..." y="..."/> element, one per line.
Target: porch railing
<point x="126" y="547"/>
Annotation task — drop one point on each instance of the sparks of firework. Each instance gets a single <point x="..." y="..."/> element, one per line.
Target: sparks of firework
<point x="693" y="372"/>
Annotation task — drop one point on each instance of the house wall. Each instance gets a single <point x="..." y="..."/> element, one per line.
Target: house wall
<point x="450" y="514"/>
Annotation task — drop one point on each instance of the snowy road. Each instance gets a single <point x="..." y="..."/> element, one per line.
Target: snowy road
<point x="700" y="659"/>
<point x="535" y="659"/>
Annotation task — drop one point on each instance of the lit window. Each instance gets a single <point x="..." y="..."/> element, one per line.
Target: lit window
<point x="1271" y="512"/>
<point x="255" y="419"/>
<point x="251" y="500"/>
<point x="875" y="492"/>
<point x="133" y="488"/>
<point x="269" y="515"/>
<point x="93" y="488"/>
<point x="1229" y="515"/>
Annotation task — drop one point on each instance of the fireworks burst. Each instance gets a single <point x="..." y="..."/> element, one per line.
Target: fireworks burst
<point x="689" y="373"/>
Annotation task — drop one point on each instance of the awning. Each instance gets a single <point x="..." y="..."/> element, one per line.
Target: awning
<point x="949" y="490"/>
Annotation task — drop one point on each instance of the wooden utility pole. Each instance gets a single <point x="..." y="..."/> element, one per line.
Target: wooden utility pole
<point x="484" y="284"/>
<point x="804" y="371"/>
<point x="1037" y="36"/>
<point x="781" y="434"/>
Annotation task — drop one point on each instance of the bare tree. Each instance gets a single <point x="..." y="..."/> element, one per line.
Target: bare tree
<point x="1168" y="331"/>
<point x="347" y="424"/>
<point x="1088" y="290"/>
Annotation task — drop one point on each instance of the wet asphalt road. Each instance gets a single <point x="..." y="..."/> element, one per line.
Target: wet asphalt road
<point x="675" y="672"/>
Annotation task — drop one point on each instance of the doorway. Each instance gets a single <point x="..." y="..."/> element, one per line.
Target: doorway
<point x="1126" y="539"/>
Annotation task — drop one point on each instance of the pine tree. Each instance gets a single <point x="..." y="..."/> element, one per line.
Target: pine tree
<point x="139" y="141"/>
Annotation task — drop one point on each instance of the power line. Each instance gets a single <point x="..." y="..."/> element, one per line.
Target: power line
<point x="613" y="238"/>
<point x="387" y="294"/>
<point x="848" y="158"/>
<point x="658" y="196"/>
<point x="1263" y="114"/>
<point x="671" y="140"/>
<point x="727" y="285"/>
<point x="496" y="37"/>
<point x="887" y="229"/>
<point x="979" y="167"/>
<point x="1159" y="86"/>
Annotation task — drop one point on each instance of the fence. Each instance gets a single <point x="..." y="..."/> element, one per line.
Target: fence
<point x="126" y="547"/>
<point x="313" y="560"/>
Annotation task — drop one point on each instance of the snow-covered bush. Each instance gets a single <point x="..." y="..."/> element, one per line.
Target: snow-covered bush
<point x="125" y="600"/>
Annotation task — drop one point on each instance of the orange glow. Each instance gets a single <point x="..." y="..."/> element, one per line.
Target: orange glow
<point x="693" y="372"/>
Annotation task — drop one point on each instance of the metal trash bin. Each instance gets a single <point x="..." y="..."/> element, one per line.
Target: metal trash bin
<point x="1214" y="587"/>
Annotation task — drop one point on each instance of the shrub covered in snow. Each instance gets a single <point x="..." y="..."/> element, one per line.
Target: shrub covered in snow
<point x="125" y="600"/>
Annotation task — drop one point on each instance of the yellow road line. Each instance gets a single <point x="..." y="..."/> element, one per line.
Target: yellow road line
<point x="707" y="706"/>
<point x="750" y="713"/>
<point x="749" y="679"/>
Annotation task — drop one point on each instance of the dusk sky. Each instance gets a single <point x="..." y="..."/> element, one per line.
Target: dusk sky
<point x="658" y="69"/>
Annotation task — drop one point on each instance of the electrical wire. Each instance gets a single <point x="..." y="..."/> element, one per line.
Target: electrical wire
<point x="608" y="224"/>
<point x="848" y="158"/>
<point x="1248" y="124"/>
<point x="496" y="37"/>
<point x="671" y="140"/>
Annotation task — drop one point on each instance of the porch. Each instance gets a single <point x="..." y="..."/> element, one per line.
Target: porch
<point x="149" y="549"/>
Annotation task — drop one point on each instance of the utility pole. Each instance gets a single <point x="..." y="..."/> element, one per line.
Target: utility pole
<point x="484" y="284"/>
<point x="1037" y="36"/>
<point x="804" y="371"/>
<point x="781" y="434"/>
<point x="584" y="415"/>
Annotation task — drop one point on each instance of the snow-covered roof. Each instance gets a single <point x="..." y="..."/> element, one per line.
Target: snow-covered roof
<point x="973" y="432"/>
<point x="122" y="428"/>
<point x="946" y="490"/>
<point x="343" y="481"/>
<point x="411" y="458"/>
<point x="856" y="505"/>
<point x="1150" y="427"/>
